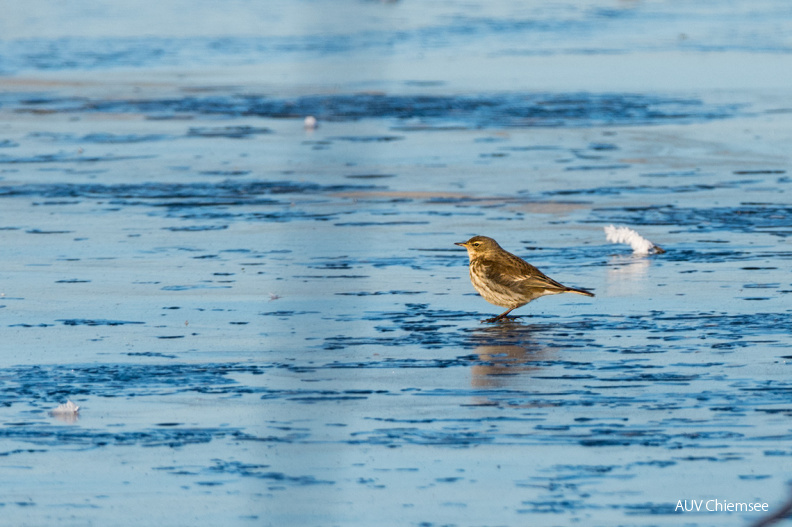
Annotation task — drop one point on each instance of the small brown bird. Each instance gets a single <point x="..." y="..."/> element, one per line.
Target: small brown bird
<point x="507" y="280"/>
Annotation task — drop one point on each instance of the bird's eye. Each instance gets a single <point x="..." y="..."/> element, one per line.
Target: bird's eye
<point x="476" y="244"/>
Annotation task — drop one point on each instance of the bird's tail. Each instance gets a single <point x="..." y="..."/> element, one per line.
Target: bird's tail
<point x="578" y="291"/>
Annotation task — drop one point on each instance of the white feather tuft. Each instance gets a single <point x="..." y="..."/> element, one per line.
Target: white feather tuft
<point x="66" y="408"/>
<point x="639" y="244"/>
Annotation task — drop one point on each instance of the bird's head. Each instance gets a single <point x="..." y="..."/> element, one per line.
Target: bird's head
<point x="479" y="246"/>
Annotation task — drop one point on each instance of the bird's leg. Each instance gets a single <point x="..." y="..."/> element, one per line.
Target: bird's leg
<point x="501" y="316"/>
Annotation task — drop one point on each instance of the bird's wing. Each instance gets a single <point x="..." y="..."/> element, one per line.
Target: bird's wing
<point x="536" y="279"/>
<point x="519" y="274"/>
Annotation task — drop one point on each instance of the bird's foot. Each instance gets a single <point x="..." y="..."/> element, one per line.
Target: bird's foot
<point x="499" y="318"/>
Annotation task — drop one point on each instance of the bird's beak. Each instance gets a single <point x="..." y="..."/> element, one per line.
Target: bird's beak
<point x="461" y="244"/>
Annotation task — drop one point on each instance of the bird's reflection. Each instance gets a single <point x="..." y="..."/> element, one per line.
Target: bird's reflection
<point x="506" y="352"/>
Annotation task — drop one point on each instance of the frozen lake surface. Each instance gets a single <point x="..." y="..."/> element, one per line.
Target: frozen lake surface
<point x="265" y="324"/>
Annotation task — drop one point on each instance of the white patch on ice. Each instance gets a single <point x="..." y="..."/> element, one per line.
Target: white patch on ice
<point x="639" y="244"/>
<point x="66" y="408"/>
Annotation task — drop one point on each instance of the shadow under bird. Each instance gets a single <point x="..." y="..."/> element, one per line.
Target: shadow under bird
<point x="506" y="280"/>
